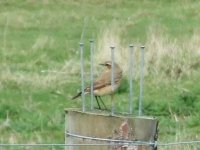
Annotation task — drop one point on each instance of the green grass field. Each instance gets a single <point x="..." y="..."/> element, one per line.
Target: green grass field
<point x="39" y="63"/>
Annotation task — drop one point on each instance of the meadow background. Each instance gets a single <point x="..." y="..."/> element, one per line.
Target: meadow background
<point x="39" y="63"/>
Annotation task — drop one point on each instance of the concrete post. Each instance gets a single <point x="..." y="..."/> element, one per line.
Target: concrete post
<point x="95" y="128"/>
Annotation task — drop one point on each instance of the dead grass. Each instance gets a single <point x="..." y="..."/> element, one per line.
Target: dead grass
<point x="164" y="56"/>
<point x="44" y="79"/>
<point x="110" y="36"/>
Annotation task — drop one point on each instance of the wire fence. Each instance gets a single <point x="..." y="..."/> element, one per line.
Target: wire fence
<point x="109" y="143"/>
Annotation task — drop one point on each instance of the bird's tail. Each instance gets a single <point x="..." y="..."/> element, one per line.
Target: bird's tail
<point x="76" y="96"/>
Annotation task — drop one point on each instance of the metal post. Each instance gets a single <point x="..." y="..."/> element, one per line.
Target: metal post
<point x="66" y="127"/>
<point x="131" y="79"/>
<point x="82" y="77"/>
<point x="91" y="74"/>
<point x="112" y="75"/>
<point x="141" y="80"/>
<point x="113" y="67"/>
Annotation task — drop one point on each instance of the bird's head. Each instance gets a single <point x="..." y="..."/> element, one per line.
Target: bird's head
<point x="108" y="67"/>
<point x="107" y="64"/>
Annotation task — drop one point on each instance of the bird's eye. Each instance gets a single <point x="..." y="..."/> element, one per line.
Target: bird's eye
<point x="107" y="64"/>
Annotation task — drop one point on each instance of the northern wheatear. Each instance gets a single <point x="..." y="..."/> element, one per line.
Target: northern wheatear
<point x="103" y="85"/>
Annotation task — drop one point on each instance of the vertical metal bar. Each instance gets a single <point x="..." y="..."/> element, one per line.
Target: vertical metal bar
<point x="113" y="67"/>
<point x="131" y="79"/>
<point x="65" y="131"/>
<point x="91" y="74"/>
<point x="112" y="75"/>
<point x="141" y="80"/>
<point x="82" y="77"/>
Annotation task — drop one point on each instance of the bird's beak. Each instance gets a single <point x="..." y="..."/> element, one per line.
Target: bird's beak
<point x="102" y="64"/>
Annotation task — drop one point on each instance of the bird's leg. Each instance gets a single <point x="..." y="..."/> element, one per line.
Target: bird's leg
<point x="97" y="102"/>
<point x="102" y="103"/>
<point x="113" y="104"/>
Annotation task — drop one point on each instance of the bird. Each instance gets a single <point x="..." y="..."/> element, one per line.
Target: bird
<point x="103" y="84"/>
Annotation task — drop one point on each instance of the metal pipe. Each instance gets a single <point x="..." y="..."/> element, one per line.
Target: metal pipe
<point x="66" y="127"/>
<point x="112" y="74"/>
<point x="113" y="67"/>
<point x="82" y="77"/>
<point x="131" y="79"/>
<point x="141" y="80"/>
<point x="91" y="74"/>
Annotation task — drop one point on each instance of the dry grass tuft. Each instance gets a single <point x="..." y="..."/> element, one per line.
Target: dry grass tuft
<point x="45" y="79"/>
<point x="111" y="37"/>
<point x="163" y="57"/>
<point x="170" y="58"/>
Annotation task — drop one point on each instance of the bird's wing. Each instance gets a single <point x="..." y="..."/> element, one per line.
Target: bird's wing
<point x="105" y="79"/>
<point x="102" y="81"/>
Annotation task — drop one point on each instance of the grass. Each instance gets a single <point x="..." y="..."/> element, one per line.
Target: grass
<point x="39" y="62"/>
